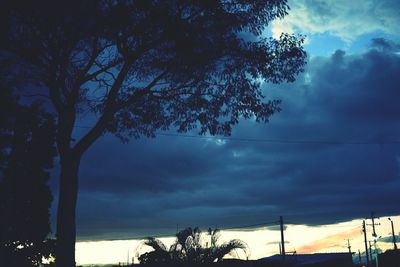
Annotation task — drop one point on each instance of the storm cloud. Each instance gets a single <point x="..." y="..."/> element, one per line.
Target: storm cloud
<point x="344" y="19"/>
<point x="332" y="154"/>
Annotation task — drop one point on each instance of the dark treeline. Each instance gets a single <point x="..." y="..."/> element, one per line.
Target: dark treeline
<point x="26" y="156"/>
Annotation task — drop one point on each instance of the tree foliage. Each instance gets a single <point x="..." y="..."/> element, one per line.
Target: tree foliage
<point x="146" y="65"/>
<point x="27" y="151"/>
<point x="139" y="66"/>
<point x="190" y="247"/>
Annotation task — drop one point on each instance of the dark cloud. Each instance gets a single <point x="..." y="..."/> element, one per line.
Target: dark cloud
<point x="347" y="20"/>
<point x="343" y="115"/>
<point x="385" y="45"/>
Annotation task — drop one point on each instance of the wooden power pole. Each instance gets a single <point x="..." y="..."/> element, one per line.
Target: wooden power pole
<point x="348" y="245"/>
<point x="282" y="236"/>
<point x="366" y="242"/>
<point x="393" y="235"/>
<point x="374" y="224"/>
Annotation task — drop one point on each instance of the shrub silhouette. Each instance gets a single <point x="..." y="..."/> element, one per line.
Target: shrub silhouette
<point x="190" y="247"/>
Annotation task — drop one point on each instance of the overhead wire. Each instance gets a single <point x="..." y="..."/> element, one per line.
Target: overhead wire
<point x="274" y="141"/>
<point x="139" y="237"/>
<point x="285" y="141"/>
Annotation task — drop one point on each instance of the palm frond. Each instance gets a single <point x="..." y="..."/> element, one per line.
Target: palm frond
<point x="155" y="243"/>
<point x="188" y="247"/>
<point x="227" y="248"/>
<point x="215" y="234"/>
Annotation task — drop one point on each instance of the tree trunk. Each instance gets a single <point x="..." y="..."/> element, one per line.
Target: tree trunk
<point x="66" y="226"/>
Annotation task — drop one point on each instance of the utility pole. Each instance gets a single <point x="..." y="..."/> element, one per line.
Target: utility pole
<point x="375" y="257"/>
<point x="282" y="236"/>
<point x="373" y="224"/>
<point x="374" y="235"/>
<point x="370" y="251"/>
<point x="348" y="245"/>
<point x="127" y="261"/>
<point x="365" y="242"/>
<point x="393" y="235"/>
<point x="376" y="254"/>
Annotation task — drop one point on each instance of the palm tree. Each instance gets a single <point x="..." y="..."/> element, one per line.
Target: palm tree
<point x="160" y="254"/>
<point x="189" y="247"/>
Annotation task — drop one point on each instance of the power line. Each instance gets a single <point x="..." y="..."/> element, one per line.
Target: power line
<point x="250" y="226"/>
<point x="172" y="235"/>
<point x="275" y="141"/>
<point x="284" y="141"/>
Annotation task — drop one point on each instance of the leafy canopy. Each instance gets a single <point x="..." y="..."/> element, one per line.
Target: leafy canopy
<point x="144" y="65"/>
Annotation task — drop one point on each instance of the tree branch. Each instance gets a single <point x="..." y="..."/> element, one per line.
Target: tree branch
<point x="109" y="110"/>
<point x="143" y="91"/>
<point x="92" y="59"/>
<point x="36" y="95"/>
<point x="101" y="70"/>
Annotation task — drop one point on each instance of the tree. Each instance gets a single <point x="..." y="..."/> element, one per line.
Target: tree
<point x="27" y="151"/>
<point x="189" y="247"/>
<point x="140" y="66"/>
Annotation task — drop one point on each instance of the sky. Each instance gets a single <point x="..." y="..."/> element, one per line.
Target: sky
<point x="330" y="156"/>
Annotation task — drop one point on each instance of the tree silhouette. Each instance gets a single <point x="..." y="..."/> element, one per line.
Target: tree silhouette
<point x="189" y="247"/>
<point x="27" y="151"/>
<point x="141" y="66"/>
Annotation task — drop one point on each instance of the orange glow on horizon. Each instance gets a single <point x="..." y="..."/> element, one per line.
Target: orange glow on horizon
<point x="262" y="242"/>
<point x="329" y="242"/>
